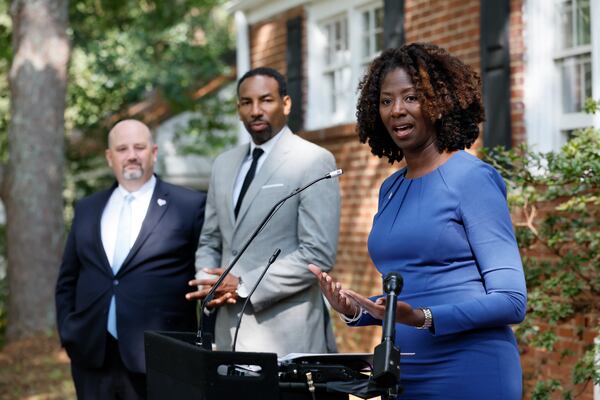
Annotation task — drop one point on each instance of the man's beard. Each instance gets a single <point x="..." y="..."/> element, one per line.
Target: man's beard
<point x="261" y="136"/>
<point x="132" y="174"/>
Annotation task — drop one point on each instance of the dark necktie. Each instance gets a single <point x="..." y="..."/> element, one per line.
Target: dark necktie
<point x="256" y="153"/>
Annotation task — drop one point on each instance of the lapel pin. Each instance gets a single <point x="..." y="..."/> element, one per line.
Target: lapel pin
<point x="161" y="202"/>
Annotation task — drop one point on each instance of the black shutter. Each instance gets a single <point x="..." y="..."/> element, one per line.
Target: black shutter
<point x="293" y="58"/>
<point x="393" y="23"/>
<point x="495" y="71"/>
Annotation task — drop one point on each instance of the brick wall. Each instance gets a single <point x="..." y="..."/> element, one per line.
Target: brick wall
<point x="575" y="335"/>
<point x="268" y="41"/>
<point x="517" y="70"/>
<point x="454" y="25"/>
<point x="571" y="345"/>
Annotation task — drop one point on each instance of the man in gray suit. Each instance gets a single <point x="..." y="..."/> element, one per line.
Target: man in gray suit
<point x="286" y="313"/>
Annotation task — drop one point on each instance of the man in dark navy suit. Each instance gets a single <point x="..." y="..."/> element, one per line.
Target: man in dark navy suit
<point x="127" y="261"/>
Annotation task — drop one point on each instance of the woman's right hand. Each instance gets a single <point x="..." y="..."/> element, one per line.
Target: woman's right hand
<point x="332" y="291"/>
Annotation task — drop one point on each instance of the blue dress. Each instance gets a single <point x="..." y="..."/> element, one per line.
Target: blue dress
<point x="449" y="235"/>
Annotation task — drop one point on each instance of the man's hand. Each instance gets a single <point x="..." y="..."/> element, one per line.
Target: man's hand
<point x="225" y="294"/>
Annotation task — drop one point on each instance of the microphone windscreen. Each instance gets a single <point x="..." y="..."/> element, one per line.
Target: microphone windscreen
<point x="335" y="173"/>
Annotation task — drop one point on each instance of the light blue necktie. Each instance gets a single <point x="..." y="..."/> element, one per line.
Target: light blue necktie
<point x="122" y="247"/>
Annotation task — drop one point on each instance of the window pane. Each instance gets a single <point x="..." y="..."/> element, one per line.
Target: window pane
<point x="366" y="34"/>
<point x="345" y="34"/>
<point x="336" y="62"/>
<point x="330" y="79"/>
<point x="379" y="17"/>
<point x="372" y="32"/>
<point x="566" y="15"/>
<point x="575" y="23"/>
<point x="328" y="48"/>
<point x="336" y="89"/>
<point x="379" y="41"/>
<point x="378" y="29"/>
<point x="569" y="85"/>
<point x="342" y="87"/>
<point x="582" y="22"/>
<point x="587" y="81"/>
<point x="576" y="82"/>
<point x="366" y="46"/>
<point x="336" y="44"/>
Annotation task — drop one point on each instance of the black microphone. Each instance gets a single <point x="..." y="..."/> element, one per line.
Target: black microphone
<point x="386" y="358"/>
<point x="239" y="322"/>
<point x="204" y="340"/>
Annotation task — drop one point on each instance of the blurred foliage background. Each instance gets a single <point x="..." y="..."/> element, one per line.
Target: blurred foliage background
<point x="5" y="60"/>
<point x="126" y="52"/>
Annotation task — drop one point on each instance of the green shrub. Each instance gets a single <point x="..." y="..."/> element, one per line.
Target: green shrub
<point x="555" y="200"/>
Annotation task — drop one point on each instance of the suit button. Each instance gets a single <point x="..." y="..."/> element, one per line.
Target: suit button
<point x="234" y="252"/>
<point x="116" y="282"/>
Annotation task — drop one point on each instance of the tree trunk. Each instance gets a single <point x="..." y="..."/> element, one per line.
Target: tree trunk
<point x="32" y="188"/>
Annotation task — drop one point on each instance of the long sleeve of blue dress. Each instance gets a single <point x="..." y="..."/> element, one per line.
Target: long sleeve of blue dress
<point x="489" y="231"/>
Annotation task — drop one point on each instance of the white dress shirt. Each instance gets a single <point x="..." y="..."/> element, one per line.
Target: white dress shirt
<point x="110" y="216"/>
<point x="266" y="147"/>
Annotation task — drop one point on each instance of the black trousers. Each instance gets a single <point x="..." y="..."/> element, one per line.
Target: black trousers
<point x="112" y="381"/>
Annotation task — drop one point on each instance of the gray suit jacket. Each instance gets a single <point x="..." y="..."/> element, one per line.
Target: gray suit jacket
<point x="286" y="313"/>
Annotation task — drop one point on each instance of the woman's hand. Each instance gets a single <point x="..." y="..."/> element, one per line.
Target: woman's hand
<point x="334" y="294"/>
<point x="405" y="314"/>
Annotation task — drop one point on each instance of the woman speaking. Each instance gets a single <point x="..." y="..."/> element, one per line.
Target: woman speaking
<point x="443" y="223"/>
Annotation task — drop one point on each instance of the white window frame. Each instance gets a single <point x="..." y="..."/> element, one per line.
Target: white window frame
<point x="570" y="120"/>
<point x="371" y="33"/>
<point x="319" y="113"/>
<point x="337" y="65"/>
<point x="544" y="118"/>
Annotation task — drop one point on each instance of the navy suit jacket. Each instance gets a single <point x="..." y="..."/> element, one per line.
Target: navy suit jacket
<point x="149" y="287"/>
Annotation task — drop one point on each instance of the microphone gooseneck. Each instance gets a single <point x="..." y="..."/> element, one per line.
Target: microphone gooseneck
<point x="239" y="321"/>
<point x="386" y="357"/>
<point x="204" y="340"/>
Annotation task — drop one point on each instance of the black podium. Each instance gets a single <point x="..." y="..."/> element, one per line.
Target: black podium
<point x="177" y="368"/>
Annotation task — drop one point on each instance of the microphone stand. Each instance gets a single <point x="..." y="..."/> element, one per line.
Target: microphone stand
<point x="386" y="357"/>
<point x="237" y="328"/>
<point x="202" y="338"/>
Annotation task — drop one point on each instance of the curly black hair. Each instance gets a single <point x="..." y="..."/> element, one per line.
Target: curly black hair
<point x="447" y="89"/>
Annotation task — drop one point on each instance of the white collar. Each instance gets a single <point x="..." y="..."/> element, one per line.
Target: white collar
<point x="146" y="187"/>
<point x="269" y="144"/>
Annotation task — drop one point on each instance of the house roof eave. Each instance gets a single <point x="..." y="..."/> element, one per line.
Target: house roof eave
<point x="258" y="10"/>
<point x="244" y="5"/>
